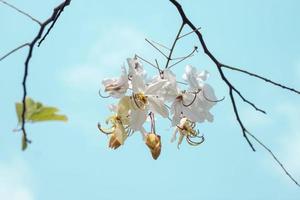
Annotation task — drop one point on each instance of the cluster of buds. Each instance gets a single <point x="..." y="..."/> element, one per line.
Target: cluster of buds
<point x="141" y="97"/>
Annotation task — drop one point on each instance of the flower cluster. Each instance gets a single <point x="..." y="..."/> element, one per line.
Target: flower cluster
<point x="141" y="98"/>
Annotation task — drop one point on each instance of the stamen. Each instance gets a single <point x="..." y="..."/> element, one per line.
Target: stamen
<point x="195" y="93"/>
<point x="214" y="101"/>
<point x="102" y="96"/>
<point x="103" y="131"/>
<point x="194" y="143"/>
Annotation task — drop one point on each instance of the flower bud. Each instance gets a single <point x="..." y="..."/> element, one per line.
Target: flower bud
<point x="154" y="144"/>
<point x="114" y="142"/>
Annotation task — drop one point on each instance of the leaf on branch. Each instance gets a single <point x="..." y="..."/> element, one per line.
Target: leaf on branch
<point x="37" y="112"/>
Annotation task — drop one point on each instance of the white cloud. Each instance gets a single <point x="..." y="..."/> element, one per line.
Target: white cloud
<point x="106" y="57"/>
<point x="14" y="181"/>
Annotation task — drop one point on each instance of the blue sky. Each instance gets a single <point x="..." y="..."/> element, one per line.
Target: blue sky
<point x="91" y="41"/>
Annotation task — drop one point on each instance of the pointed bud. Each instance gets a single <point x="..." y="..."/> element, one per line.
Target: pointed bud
<point x="114" y="142"/>
<point x="154" y="144"/>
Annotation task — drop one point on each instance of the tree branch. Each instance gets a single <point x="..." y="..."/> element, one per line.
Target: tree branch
<point x="51" y="20"/>
<point x="173" y="46"/>
<point x="14" y="50"/>
<point x="232" y="89"/>
<point x="262" y="78"/>
<point x="20" y="11"/>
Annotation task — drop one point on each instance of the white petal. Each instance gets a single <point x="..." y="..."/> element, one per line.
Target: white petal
<point x="157" y="105"/>
<point x="153" y="88"/>
<point x="190" y="76"/>
<point x="137" y="119"/>
<point x="202" y="75"/>
<point x="138" y="84"/>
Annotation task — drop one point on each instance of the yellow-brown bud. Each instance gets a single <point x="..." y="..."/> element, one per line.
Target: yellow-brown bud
<point x="154" y="144"/>
<point x="114" y="142"/>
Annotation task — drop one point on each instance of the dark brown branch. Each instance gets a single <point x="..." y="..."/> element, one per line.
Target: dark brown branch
<point x="262" y="78"/>
<point x="247" y="101"/>
<point x="51" y="20"/>
<point x="186" y="21"/>
<point x="232" y="89"/>
<point x="56" y="13"/>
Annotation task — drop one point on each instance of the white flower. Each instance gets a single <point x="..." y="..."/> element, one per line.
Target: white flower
<point x="117" y="87"/>
<point x="146" y="97"/>
<point x="170" y="90"/>
<point x="205" y="97"/>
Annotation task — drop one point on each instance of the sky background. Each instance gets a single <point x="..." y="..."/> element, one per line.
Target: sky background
<point x="90" y="42"/>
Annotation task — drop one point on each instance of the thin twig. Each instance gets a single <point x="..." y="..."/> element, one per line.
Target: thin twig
<point x="146" y="61"/>
<point x="185" y="57"/>
<point x="274" y="157"/>
<point x="188" y="33"/>
<point x="159" y="44"/>
<point x="173" y="46"/>
<point x="14" y="50"/>
<point x="162" y="53"/>
<point x="247" y="101"/>
<point x="262" y="78"/>
<point x="22" y="12"/>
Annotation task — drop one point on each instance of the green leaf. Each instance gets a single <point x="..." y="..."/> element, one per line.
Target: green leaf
<point x="37" y="112"/>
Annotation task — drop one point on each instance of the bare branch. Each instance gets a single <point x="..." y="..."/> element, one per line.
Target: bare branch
<point x="14" y="50"/>
<point x="274" y="157"/>
<point x="56" y="13"/>
<point x="262" y="78"/>
<point x="151" y="64"/>
<point x="188" y="33"/>
<point x="169" y="58"/>
<point x="231" y="88"/>
<point x="185" y="57"/>
<point x="51" y="20"/>
<point x="22" y="12"/>
<point x="163" y="46"/>
<point x="247" y="101"/>
<point x="162" y="53"/>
